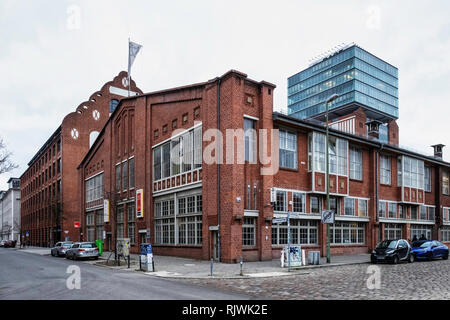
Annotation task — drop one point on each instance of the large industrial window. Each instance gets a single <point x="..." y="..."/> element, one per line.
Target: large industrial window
<point x="393" y="231"/>
<point x="249" y="231"/>
<point x="299" y="201"/>
<point x="119" y="220"/>
<point x="99" y="224"/>
<point x="157" y="163"/>
<point x="347" y="233"/>
<point x="337" y="154"/>
<point x="302" y="232"/>
<point x="288" y="149"/>
<point x="94" y="188"/>
<point x="118" y="177"/>
<point x="124" y="175"/>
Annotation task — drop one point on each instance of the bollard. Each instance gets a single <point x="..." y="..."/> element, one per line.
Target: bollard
<point x="241" y="263"/>
<point x="212" y="263"/>
<point x="128" y="262"/>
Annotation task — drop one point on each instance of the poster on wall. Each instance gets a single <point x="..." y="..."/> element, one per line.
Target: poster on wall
<point x="139" y="203"/>
<point x="106" y="210"/>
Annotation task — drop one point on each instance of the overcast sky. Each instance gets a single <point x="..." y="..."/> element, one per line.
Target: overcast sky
<point x="55" y="54"/>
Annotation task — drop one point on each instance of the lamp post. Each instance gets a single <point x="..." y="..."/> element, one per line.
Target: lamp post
<point x="330" y="99"/>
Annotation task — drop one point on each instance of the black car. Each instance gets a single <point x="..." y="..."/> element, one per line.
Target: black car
<point x="392" y="251"/>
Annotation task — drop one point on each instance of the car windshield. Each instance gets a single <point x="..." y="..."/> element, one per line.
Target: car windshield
<point x="387" y="244"/>
<point x="421" y="244"/>
<point x="88" y="245"/>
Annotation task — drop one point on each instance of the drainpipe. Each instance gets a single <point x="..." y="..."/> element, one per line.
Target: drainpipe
<point x="376" y="187"/>
<point x="218" y="171"/>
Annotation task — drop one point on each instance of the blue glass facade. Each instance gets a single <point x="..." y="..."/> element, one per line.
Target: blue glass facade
<point x="354" y="74"/>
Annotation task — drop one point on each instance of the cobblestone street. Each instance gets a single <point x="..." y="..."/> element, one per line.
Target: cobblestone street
<point x="421" y="280"/>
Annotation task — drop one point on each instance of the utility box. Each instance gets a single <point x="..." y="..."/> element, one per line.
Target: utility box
<point x="146" y="258"/>
<point x="313" y="257"/>
<point x="99" y="244"/>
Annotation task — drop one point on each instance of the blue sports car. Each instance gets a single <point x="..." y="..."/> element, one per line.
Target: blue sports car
<point x="429" y="249"/>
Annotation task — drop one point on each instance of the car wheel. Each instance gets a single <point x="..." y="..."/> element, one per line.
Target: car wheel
<point x="445" y="256"/>
<point x="96" y="258"/>
<point x="430" y="256"/>
<point x="51" y="252"/>
<point x="395" y="260"/>
<point x="411" y="258"/>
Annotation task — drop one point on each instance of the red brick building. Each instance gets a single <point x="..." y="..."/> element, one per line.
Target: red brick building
<point x="49" y="186"/>
<point x="153" y="148"/>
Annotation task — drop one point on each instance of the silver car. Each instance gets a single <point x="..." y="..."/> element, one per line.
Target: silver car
<point x="60" y="248"/>
<point x="82" y="250"/>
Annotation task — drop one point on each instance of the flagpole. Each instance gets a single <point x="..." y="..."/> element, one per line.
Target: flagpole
<point x="129" y="78"/>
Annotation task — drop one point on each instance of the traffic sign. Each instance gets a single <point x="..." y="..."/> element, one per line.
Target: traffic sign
<point x="279" y="220"/>
<point x="328" y="216"/>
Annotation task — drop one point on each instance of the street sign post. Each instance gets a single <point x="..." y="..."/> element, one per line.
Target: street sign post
<point x="279" y="220"/>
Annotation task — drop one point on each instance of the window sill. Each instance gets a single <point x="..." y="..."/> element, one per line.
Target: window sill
<point x="356" y="180"/>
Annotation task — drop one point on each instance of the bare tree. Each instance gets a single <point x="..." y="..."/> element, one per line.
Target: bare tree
<point x="6" y="164"/>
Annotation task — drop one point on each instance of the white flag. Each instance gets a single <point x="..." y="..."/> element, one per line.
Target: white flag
<point x="133" y="49"/>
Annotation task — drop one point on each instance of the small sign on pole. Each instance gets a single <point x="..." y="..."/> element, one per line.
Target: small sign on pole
<point x="279" y="220"/>
<point x="76" y="224"/>
<point x="328" y="216"/>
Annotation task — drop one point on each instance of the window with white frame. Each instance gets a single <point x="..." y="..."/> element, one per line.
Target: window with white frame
<point x="302" y="232"/>
<point x="342" y="157"/>
<point x="315" y="204"/>
<point x="131" y="222"/>
<point x="250" y="140"/>
<point x="446" y="214"/>
<point x="355" y="163"/>
<point x="427" y="184"/>
<point x="382" y="209"/>
<point x="362" y="207"/>
<point x="189" y="217"/>
<point x="347" y="233"/>
<point x="431" y="213"/>
<point x="401" y="211"/>
<point x="423" y="213"/>
<point x="385" y="169"/>
<point x="198" y="147"/>
<point x="399" y="171"/>
<point x="187" y="151"/>
<point x="249" y="231"/>
<point x="413" y="172"/>
<point x="125" y="175"/>
<point x="349" y="206"/>
<point x="119" y="220"/>
<point x="281" y="203"/>
<point x="418" y="230"/>
<point x="99" y="224"/>
<point x="413" y="212"/>
<point x="131" y="173"/>
<point x="319" y="152"/>
<point x="298" y="202"/>
<point x="288" y="149"/>
<point x="392" y="210"/>
<point x="445" y="233"/>
<point x="337" y="154"/>
<point x="393" y="231"/>
<point x="445" y="189"/>
<point x="90" y="234"/>
<point x="164" y="213"/>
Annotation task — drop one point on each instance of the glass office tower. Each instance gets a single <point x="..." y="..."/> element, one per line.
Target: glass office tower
<point x="360" y="79"/>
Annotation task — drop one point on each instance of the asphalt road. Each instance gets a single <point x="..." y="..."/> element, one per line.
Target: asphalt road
<point x="27" y="276"/>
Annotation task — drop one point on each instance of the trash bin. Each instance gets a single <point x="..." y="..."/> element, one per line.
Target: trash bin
<point x="313" y="257"/>
<point x="146" y="257"/>
<point x="99" y="244"/>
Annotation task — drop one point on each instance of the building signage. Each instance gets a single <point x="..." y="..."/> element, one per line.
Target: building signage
<point x="76" y="224"/>
<point x="106" y="210"/>
<point x="328" y="216"/>
<point x="139" y="203"/>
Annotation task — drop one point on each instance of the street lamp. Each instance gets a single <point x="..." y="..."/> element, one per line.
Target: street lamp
<point x="330" y="99"/>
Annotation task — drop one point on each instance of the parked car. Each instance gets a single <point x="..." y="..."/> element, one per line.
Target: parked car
<point x="2" y="243"/>
<point x="60" y="248"/>
<point x="392" y="251"/>
<point x="10" y="244"/>
<point x="80" y="250"/>
<point x="429" y="249"/>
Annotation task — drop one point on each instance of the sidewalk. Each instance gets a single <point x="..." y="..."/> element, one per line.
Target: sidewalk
<point x="175" y="267"/>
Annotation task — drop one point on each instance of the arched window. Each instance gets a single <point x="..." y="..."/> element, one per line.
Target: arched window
<point x="92" y="137"/>
<point x="112" y="105"/>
